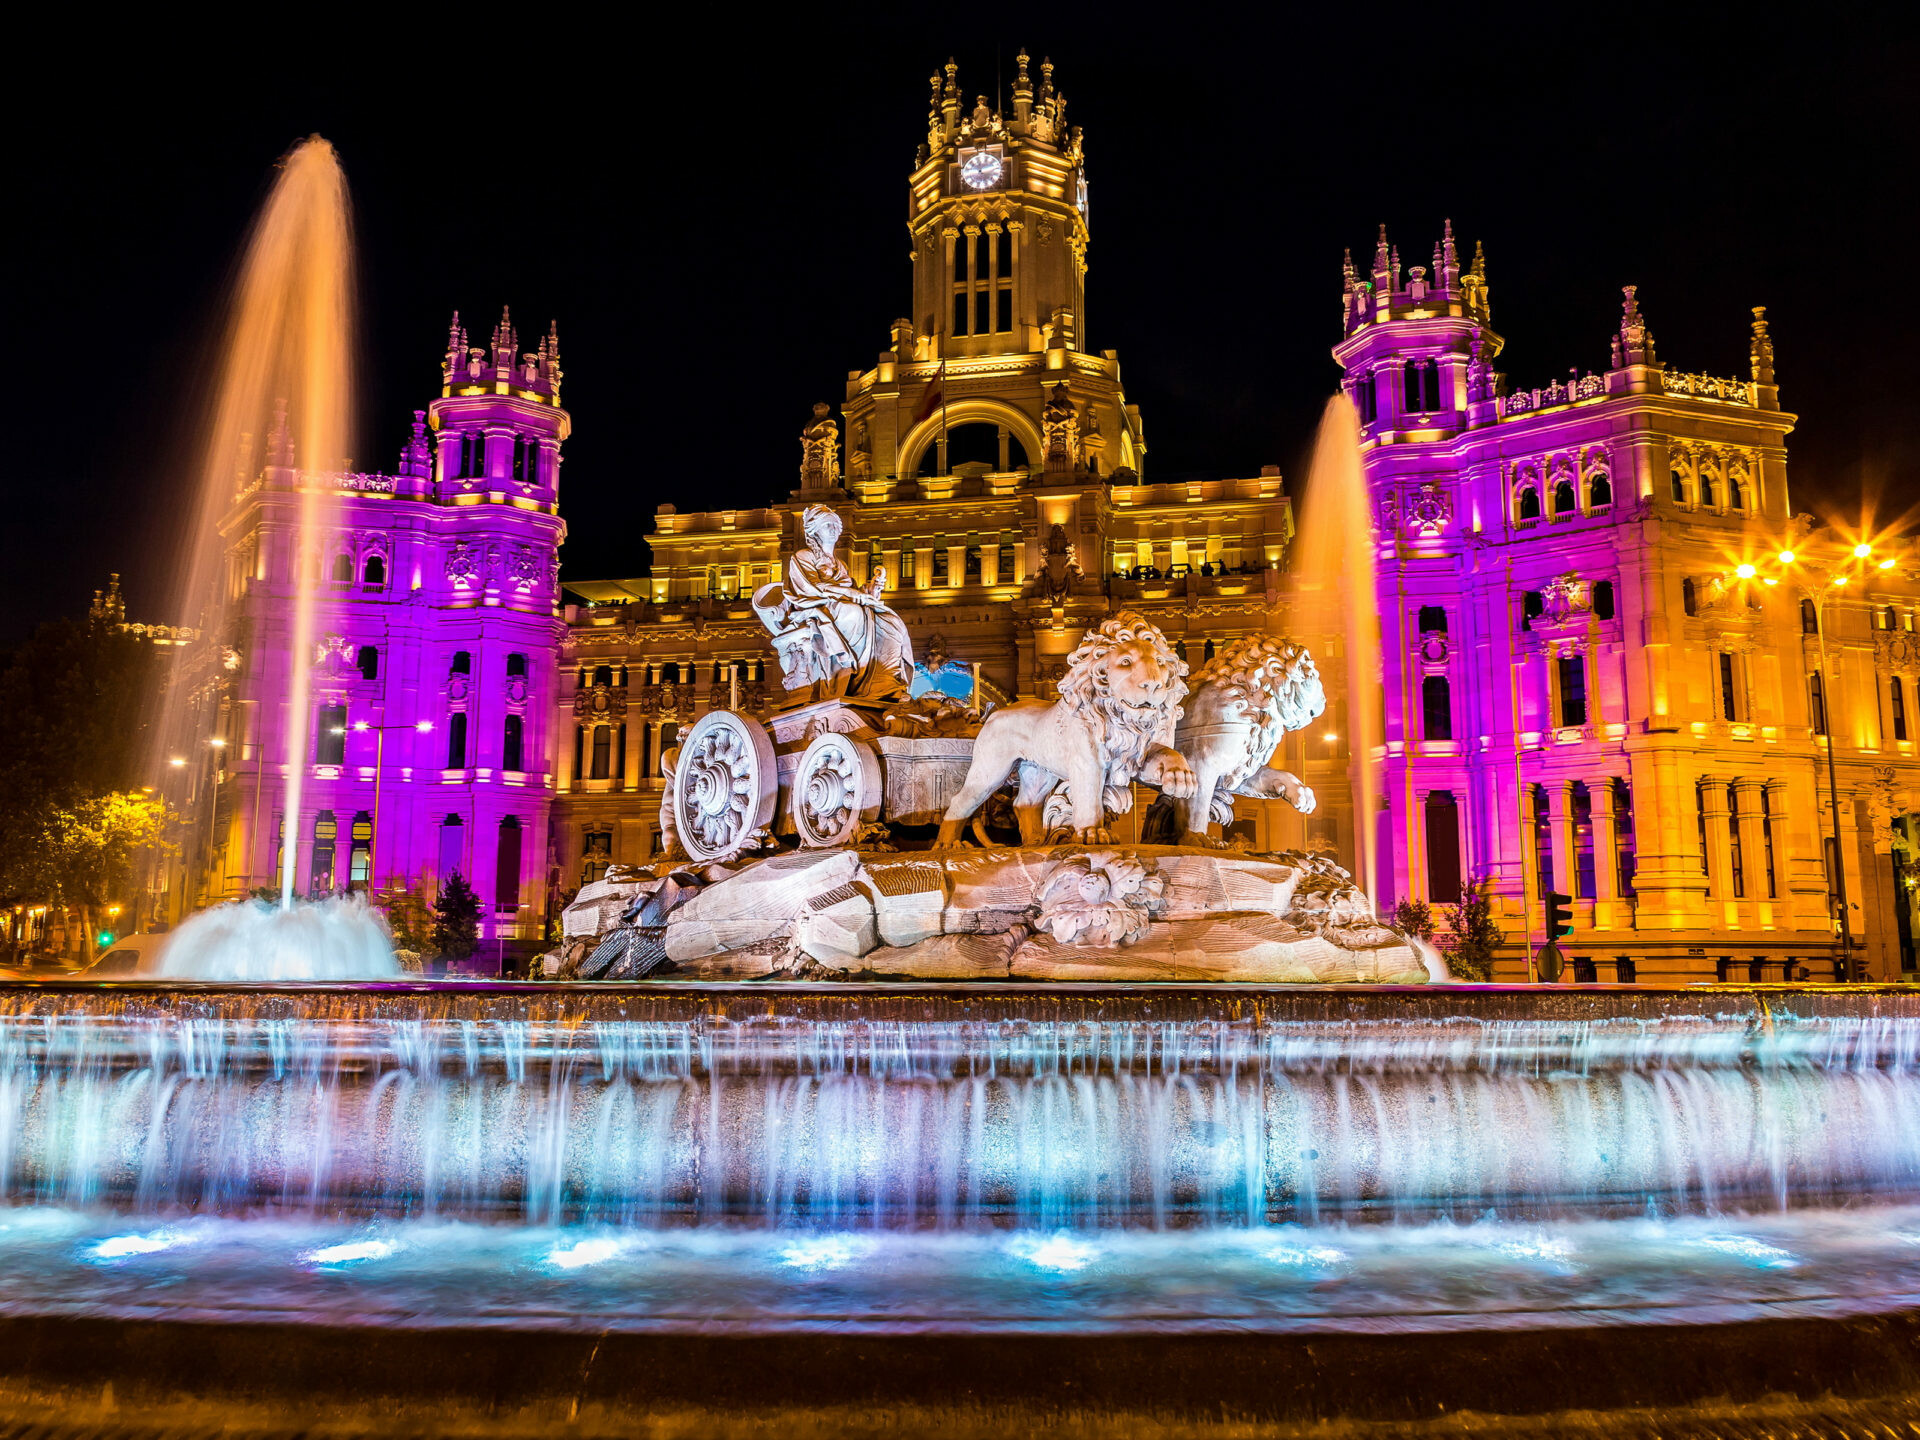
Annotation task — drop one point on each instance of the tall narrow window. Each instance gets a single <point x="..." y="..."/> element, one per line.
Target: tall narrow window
<point x="1364" y="400"/>
<point x="1603" y="600"/>
<point x="620" y="752"/>
<point x="457" y="740"/>
<point x="1565" y="502"/>
<point x="1003" y="322"/>
<point x="1733" y="844"/>
<point x="1436" y="708"/>
<point x="1529" y="504"/>
<point x="602" y="753"/>
<point x="1706" y="489"/>
<point x="1689" y="597"/>
<point x="343" y="569"/>
<point x="1583" y="857"/>
<point x="375" y="571"/>
<point x="1897" y="697"/>
<point x="1729" y="692"/>
<point x="453" y="837"/>
<point x="1542" y="840"/>
<point x="330" y="744"/>
<point x="506" y="869"/>
<point x="511" y="744"/>
<point x="1599" y="490"/>
<point x="1573" y="689"/>
<point x="1766" y="841"/>
<point x="669" y="738"/>
<point x="1679" y="488"/>
<point x="1443" y="847"/>
<point x="1624" y="844"/>
<point x="361" y="853"/>
<point x="1817" y="703"/>
<point x="1700" y="819"/>
<point x="579" y="752"/>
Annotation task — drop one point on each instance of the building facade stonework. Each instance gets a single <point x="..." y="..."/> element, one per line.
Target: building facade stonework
<point x="1581" y="691"/>
<point x="1602" y="675"/>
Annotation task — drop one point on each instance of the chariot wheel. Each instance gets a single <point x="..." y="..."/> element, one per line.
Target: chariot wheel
<point x="724" y="785"/>
<point x="836" y="789"/>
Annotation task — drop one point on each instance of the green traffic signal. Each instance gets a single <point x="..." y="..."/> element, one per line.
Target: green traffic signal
<point x="106" y="938"/>
<point x="1559" y="915"/>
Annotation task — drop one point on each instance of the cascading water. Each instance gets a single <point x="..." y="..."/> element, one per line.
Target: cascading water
<point x="1333" y="562"/>
<point x="991" y="1134"/>
<point x="286" y="373"/>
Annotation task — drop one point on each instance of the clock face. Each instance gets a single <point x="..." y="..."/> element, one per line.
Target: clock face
<point x="981" y="170"/>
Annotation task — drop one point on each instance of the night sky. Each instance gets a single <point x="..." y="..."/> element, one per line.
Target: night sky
<point x="716" y="220"/>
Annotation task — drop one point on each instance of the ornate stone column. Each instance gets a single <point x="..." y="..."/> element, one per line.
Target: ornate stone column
<point x="1753" y="845"/>
<point x="1713" y="802"/>
<point x="1606" y="842"/>
<point x="1560" y="826"/>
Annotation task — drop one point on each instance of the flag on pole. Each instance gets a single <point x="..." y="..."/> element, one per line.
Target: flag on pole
<point x="936" y="394"/>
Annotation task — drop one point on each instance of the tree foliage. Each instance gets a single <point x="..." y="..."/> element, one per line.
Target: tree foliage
<point x="456" y="919"/>
<point x="1414" y="917"/>
<point x="1471" y="936"/>
<point x="411" y="916"/>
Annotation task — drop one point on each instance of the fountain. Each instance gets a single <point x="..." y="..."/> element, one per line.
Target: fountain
<point x="1061" y="1099"/>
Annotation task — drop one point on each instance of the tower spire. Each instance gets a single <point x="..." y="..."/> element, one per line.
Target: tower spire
<point x="1633" y="345"/>
<point x="1448" y="272"/>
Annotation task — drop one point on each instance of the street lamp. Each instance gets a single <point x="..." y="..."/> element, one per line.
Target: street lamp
<point x="379" y="758"/>
<point x="1816" y="583"/>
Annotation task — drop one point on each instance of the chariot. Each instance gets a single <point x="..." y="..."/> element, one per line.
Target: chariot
<point x="827" y="773"/>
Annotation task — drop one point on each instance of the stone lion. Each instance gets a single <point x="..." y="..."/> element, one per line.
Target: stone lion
<point x="1244" y="702"/>
<point x="1113" y="724"/>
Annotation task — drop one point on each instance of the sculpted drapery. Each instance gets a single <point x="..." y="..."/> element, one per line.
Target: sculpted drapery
<point x="825" y="625"/>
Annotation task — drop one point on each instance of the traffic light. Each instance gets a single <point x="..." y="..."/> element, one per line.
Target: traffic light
<point x="106" y="938"/>
<point x="1559" y="915"/>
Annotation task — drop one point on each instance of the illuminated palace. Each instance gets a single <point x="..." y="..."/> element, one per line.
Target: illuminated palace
<point x="1582" y="692"/>
<point x="993" y="467"/>
<point x="1604" y="668"/>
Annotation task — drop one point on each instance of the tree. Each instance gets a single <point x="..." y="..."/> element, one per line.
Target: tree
<point x="410" y="916"/>
<point x="1471" y="936"/>
<point x="1414" y="917"/>
<point x="456" y="919"/>
<point x="88" y="851"/>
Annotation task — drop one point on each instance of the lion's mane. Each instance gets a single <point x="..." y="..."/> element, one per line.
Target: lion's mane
<point x="1282" y="688"/>
<point x="1125" y="734"/>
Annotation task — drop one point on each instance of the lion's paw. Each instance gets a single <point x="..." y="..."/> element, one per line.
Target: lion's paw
<point x="1094" y="835"/>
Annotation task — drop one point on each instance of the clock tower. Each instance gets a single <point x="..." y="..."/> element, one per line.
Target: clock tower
<point x="997" y="217"/>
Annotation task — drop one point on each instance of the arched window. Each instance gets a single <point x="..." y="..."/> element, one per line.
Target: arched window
<point x="1599" y="490"/>
<point x="1603" y="600"/>
<point x="1433" y="619"/>
<point x="1529" y="504"/>
<point x="1737" y="494"/>
<point x="1436" y="708"/>
<point x="1689" y="600"/>
<point x="368" y="659"/>
<point x="1809" y="618"/>
<point x="457" y="740"/>
<point x="510" y="744"/>
<point x="374" y="572"/>
<point x="1679" y="487"/>
<point x="1565" y="502"/>
<point x="462" y="663"/>
<point x="343" y="569"/>
<point x="326" y="830"/>
<point x="361" y="851"/>
<point x="1706" y="488"/>
<point x="516" y="665"/>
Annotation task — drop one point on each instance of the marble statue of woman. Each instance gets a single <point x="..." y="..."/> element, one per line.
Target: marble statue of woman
<point x="832" y="635"/>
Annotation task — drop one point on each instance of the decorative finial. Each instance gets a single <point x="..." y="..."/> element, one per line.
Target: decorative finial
<point x="1479" y="260"/>
<point x="1760" y="349"/>
<point x="1634" y="344"/>
<point x="1021" y="60"/>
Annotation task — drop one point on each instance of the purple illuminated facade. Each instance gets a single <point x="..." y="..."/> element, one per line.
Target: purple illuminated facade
<point x="1582" y="693"/>
<point x="438" y="589"/>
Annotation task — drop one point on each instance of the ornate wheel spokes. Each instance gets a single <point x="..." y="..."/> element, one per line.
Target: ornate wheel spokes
<point x="723" y="785"/>
<point x="836" y="785"/>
